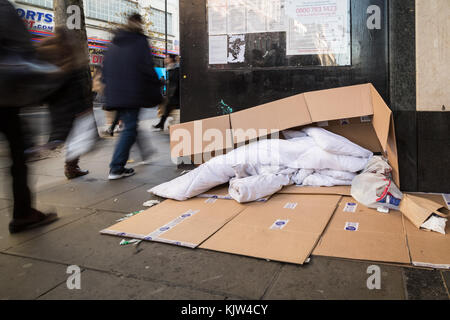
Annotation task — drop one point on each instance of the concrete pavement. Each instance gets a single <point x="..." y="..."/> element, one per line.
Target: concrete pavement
<point x="33" y="264"/>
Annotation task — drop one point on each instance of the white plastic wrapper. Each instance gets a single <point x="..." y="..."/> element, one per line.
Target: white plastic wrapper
<point x="376" y="190"/>
<point x="83" y="137"/>
<point x="435" y="223"/>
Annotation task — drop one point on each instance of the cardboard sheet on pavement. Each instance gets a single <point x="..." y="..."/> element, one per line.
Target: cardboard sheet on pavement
<point x="187" y="223"/>
<point x="361" y="233"/>
<point x="286" y="228"/>
<point x="294" y="189"/>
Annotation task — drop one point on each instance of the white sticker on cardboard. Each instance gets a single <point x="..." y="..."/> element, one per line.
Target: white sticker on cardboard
<point x="383" y="209"/>
<point x="350" y="207"/>
<point x="351" y="226"/>
<point x="279" y="224"/>
<point x="366" y="119"/>
<point x="344" y="122"/>
<point x="290" y="205"/>
<point x="211" y="200"/>
<point x="322" y="124"/>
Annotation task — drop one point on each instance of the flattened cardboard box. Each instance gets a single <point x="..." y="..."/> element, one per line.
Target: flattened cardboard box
<point x="187" y="223"/>
<point x="294" y="189"/>
<point x="286" y="228"/>
<point x="361" y="233"/>
<point x="428" y="248"/>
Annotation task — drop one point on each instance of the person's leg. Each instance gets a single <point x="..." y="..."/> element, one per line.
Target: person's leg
<point x="126" y="141"/>
<point x="72" y="170"/>
<point x="24" y="217"/>
<point x="11" y="127"/>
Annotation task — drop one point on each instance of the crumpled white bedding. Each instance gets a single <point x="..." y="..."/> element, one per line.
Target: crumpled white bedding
<point x="313" y="157"/>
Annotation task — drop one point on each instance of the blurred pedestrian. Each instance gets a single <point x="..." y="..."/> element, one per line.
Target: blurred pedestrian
<point x="173" y="91"/>
<point x="131" y="83"/>
<point x="15" y="39"/>
<point x="73" y="98"/>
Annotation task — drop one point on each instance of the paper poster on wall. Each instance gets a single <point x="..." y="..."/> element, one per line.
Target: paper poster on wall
<point x="236" y="22"/>
<point x="276" y="18"/>
<point x="319" y="27"/>
<point x="256" y="16"/>
<point x="217" y="19"/>
<point x="218" y="49"/>
<point x="236" y="49"/>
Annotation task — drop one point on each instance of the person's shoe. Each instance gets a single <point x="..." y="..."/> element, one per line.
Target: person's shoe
<point x="158" y="126"/>
<point x="74" y="172"/>
<point x="125" y="172"/>
<point x="35" y="219"/>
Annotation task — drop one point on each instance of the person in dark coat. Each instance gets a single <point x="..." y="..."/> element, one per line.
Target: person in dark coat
<point x="131" y="83"/>
<point x="15" y="39"/>
<point x="72" y="99"/>
<point x="173" y="92"/>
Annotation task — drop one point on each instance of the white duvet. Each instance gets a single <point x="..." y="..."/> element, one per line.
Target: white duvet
<point x="311" y="157"/>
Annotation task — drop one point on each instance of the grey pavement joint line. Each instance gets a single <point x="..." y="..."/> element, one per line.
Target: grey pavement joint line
<point x="272" y="282"/>
<point x="445" y="284"/>
<point x="54" y="287"/>
<point x="131" y="276"/>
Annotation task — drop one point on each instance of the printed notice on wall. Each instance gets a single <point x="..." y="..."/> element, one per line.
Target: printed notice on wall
<point x="217" y="18"/>
<point x="276" y="19"/>
<point x="218" y="49"/>
<point x="319" y="27"/>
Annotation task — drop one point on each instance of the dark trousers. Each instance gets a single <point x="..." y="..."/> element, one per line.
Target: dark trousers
<point x="11" y="127"/>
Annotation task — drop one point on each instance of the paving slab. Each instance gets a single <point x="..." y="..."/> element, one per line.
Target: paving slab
<point x="154" y="175"/>
<point x="327" y="278"/>
<point x="83" y="193"/>
<point x="81" y="243"/>
<point x="99" y="285"/>
<point x="446" y="276"/>
<point x="129" y="201"/>
<point x="223" y="273"/>
<point x="422" y="284"/>
<point x="4" y="203"/>
<point x="26" y="279"/>
<point x="36" y="183"/>
<point x="66" y="215"/>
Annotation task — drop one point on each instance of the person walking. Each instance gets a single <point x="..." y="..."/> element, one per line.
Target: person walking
<point x="131" y="83"/>
<point x="72" y="99"/>
<point x="173" y="92"/>
<point x="15" y="39"/>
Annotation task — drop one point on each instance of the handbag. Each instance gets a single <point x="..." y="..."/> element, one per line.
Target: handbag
<point x="26" y="81"/>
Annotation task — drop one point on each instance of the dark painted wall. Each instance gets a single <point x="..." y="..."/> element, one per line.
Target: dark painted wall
<point x="244" y="87"/>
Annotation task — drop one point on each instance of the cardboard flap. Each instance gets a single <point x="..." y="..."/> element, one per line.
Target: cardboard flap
<point x="419" y="208"/>
<point x="340" y="103"/>
<point x="197" y="137"/>
<point x="382" y="117"/>
<point x="269" y="118"/>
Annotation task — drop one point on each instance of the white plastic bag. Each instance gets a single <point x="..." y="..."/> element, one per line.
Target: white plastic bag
<point x="83" y="136"/>
<point x="376" y="190"/>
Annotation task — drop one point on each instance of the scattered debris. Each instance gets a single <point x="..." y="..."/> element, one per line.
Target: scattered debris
<point x="129" y="215"/>
<point x="125" y="242"/>
<point x="151" y="203"/>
